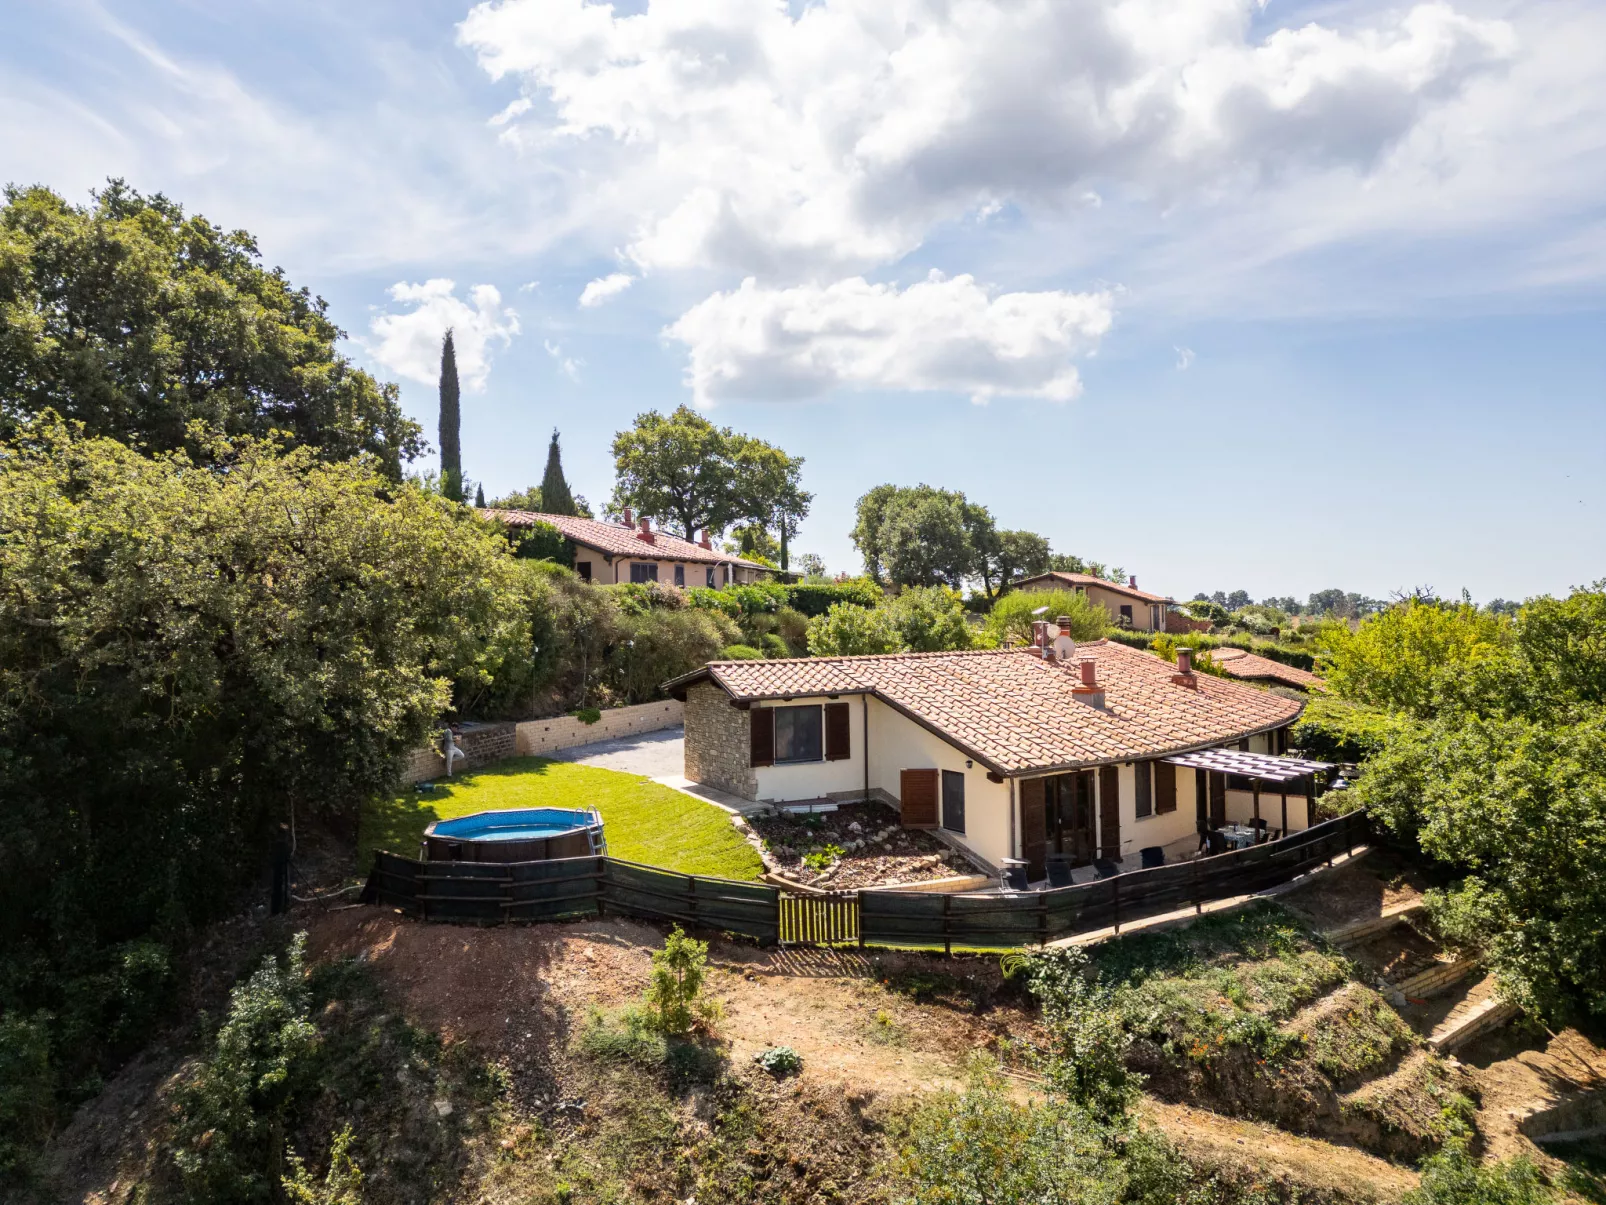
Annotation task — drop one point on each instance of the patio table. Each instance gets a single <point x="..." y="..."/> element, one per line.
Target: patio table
<point x="1239" y="836"/>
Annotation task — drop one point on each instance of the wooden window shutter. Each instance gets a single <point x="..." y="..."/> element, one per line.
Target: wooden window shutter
<point x="1033" y="827"/>
<point x="1165" y="787"/>
<point x="917" y="790"/>
<point x="1144" y="805"/>
<point x="838" y="741"/>
<point x="761" y="739"/>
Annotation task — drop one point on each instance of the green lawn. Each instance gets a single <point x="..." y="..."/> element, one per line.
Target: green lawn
<point x="642" y="820"/>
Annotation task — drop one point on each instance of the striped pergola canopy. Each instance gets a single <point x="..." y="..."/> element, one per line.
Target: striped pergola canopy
<point x="1262" y="766"/>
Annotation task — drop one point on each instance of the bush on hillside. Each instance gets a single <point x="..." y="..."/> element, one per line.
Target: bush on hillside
<point x="674" y="998"/>
<point x="1010" y="620"/>
<point x="662" y="645"/>
<point x="740" y="652"/>
<point x="849" y="630"/>
<point x="930" y="619"/>
<point x="816" y="598"/>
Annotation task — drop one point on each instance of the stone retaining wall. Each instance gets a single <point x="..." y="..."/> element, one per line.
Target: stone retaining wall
<point x="536" y="737"/>
<point x="488" y="743"/>
<point x="1436" y="978"/>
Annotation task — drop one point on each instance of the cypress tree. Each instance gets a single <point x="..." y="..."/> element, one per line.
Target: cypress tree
<point x="555" y="496"/>
<point x="451" y="420"/>
<point x="479" y="496"/>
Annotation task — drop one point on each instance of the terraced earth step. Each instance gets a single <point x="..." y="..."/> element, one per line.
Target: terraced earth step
<point x="1386" y="919"/>
<point x="1439" y="977"/>
<point x="1458" y="1016"/>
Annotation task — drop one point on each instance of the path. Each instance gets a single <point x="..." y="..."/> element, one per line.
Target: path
<point x="650" y="754"/>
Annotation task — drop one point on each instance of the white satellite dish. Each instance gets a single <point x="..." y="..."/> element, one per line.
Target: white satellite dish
<point x="1040" y="610"/>
<point x="1064" y="647"/>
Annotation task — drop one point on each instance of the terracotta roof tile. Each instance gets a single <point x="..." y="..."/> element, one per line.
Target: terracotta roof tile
<point x="1017" y="713"/>
<point x="618" y="540"/>
<point x="1251" y="666"/>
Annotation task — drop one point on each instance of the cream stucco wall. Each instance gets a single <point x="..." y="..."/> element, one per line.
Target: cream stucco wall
<point x="897" y="743"/>
<point x="1241" y="807"/>
<point x="1111" y="601"/>
<point x="817" y="779"/>
<point x="604" y="573"/>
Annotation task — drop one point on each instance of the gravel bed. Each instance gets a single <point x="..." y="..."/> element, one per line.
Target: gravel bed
<point x="858" y="845"/>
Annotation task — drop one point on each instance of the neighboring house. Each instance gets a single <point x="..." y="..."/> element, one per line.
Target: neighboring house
<point x="632" y="551"/>
<point x="1127" y="605"/>
<point x="1008" y="753"/>
<point x="1251" y="667"/>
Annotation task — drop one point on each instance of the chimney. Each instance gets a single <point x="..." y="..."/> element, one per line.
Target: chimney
<point x="1088" y="689"/>
<point x="1132" y="581"/>
<point x="1185" y="675"/>
<point x="646" y="530"/>
<point x="626" y="518"/>
<point x="1064" y="623"/>
<point x="706" y="542"/>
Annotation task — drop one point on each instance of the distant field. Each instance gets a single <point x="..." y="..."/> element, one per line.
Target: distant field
<point x="642" y="820"/>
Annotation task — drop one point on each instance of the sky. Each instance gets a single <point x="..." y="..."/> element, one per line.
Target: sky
<point x="1268" y="296"/>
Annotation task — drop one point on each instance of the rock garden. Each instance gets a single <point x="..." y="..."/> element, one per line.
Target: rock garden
<point x="857" y="845"/>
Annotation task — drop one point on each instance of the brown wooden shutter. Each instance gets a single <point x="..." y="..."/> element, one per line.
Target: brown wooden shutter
<point x="1165" y="787"/>
<point x="917" y="790"/>
<point x="1143" y="781"/>
<point x="761" y="740"/>
<point x="1109" y="812"/>
<point x="838" y="742"/>
<point x="1033" y="828"/>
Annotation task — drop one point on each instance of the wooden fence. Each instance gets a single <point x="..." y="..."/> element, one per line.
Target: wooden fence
<point x="488" y="893"/>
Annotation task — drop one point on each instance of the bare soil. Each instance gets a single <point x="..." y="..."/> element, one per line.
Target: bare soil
<point x="1358" y="890"/>
<point x="875" y="849"/>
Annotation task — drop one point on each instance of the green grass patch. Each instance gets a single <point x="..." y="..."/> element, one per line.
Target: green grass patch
<point x="643" y="821"/>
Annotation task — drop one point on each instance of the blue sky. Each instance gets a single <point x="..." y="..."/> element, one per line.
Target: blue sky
<point x="1274" y="298"/>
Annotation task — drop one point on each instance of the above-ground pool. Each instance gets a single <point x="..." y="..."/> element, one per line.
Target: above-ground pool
<point x="515" y="835"/>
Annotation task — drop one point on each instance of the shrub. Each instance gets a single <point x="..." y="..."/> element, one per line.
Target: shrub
<point x="232" y="1113"/>
<point x="341" y="1186"/>
<point x="774" y="646"/>
<point x="1010" y="621"/>
<point x="1086" y="1058"/>
<point x="848" y="629"/>
<point x="1333" y="730"/>
<point x="779" y="1061"/>
<point x="816" y="598"/>
<point x="1393" y="659"/>
<point x="930" y="619"/>
<point x="27" y="1093"/>
<point x="792" y="626"/>
<point x="675" y="1001"/>
<point x="1455" y="1177"/>
<point x="664" y="644"/>
<point x="740" y="652"/>
<point x="823" y="857"/>
<point x="587" y="715"/>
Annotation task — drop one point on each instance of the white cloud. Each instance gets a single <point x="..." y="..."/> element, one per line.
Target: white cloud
<point x="567" y="365"/>
<point x="605" y="288"/>
<point x="1184" y="358"/>
<point x="940" y="334"/>
<point x="409" y="344"/>
<point x="738" y="135"/>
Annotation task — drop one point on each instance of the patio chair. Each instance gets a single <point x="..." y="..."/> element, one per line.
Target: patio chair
<point x="1152" y="855"/>
<point x="1103" y="868"/>
<point x="1059" y="871"/>
<point x="1014" y="876"/>
<point x="1215" y="843"/>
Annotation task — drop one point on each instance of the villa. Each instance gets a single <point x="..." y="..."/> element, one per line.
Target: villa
<point x="631" y="551"/>
<point x="1094" y="752"/>
<point x="1128" y="606"/>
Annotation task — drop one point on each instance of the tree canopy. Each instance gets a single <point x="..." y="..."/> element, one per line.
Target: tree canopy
<point x="137" y="320"/>
<point x="681" y="467"/>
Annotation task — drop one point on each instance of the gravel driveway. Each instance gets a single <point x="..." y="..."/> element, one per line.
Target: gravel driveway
<point x="658" y="754"/>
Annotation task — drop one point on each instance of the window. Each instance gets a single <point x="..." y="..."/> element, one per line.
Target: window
<point x="1126" y="615"/>
<point x="1145" y="797"/>
<point x="583" y="568"/>
<point x="710" y="577"/>
<point x="798" y="734"/>
<point x="680" y="575"/>
<point x="640" y="572"/>
<point x="953" y="801"/>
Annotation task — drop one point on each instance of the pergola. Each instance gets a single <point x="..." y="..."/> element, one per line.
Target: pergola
<point x="1258" y="768"/>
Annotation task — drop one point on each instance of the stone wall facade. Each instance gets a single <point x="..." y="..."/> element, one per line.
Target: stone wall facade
<point x="536" y="737"/>
<point x="487" y="743"/>
<point x="717" y="742"/>
<point x="483" y="744"/>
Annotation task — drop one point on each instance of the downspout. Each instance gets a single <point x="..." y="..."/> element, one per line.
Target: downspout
<point x="864" y="703"/>
<point x="1014" y="843"/>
